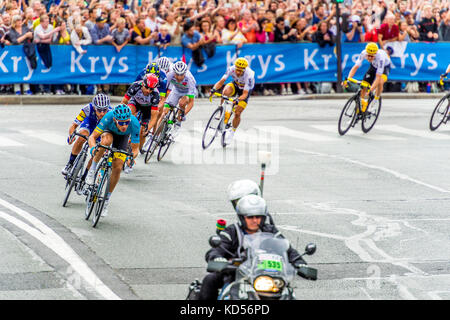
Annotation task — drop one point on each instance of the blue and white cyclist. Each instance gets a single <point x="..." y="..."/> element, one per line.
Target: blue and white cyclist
<point x="85" y="123"/>
<point x="117" y="127"/>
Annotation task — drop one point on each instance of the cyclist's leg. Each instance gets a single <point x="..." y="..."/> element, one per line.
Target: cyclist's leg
<point x="237" y="113"/>
<point x="368" y="79"/>
<point x="154" y="115"/>
<point x="145" y="119"/>
<point x="120" y="142"/>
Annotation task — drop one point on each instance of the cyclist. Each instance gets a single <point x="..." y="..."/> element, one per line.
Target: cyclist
<point x="242" y="85"/>
<point x="444" y="75"/>
<point x="117" y="127"/>
<point x="144" y="97"/>
<point x="376" y="76"/>
<point x="86" y="121"/>
<point x="181" y="89"/>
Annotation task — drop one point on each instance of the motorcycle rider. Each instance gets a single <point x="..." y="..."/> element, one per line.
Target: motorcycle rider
<point x="252" y="213"/>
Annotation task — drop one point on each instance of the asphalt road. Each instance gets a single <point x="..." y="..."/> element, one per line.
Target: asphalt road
<point x="377" y="205"/>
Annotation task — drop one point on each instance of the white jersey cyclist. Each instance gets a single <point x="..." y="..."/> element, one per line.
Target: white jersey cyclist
<point x="244" y="81"/>
<point x="380" y="62"/>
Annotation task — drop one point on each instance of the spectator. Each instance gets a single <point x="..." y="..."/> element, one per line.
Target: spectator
<point x="151" y="21"/>
<point x="141" y="34"/>
<point x="388" y="31"/>
<point x="406" y="33"/>
<point x="100" y="33"/>
<point x="248" y="26"/>
<point x="120" y="35"/>
<point x="232" y="35"/>
<point x="263" y="36"/>
<point x="90" y="23"/>
<point x="428" y="28"/>
<point x="323" y="35"/>
<point x="304" y="32"/>
<point x="174" y="28"/>
<point x="444" y="27"/>
<point x="62" y="36"/>
<point x="19" y="34"/>
<point x="80" y="36"/>
<point x="164" y="38"/>
<point x="283" y="32"/>
<point x="355" y="30"/>
<point x="218" y="27"/>
<point x="191" y="38"/>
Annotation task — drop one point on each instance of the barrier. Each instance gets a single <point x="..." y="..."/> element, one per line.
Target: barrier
<point x="273" y="63"/>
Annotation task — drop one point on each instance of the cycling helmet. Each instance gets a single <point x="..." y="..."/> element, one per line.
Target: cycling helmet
<point x="152" y="68"/>
<point x="101" y="102"/>
<point x="180" y="68"/>
<point x="250" y="206"/>
<point x="150" y="81"/>
<point x="241" y="188"/>
<point x="122" y="112"/>
<point x="371" y="48"/>
<point x="163" y="63"/>
<point x="241" y="63"/>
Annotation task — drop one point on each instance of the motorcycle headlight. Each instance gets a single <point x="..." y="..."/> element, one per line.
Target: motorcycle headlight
<point x="268" y="284"/>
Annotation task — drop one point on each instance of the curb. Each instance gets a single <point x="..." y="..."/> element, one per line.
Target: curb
<point x="83" y="99"/>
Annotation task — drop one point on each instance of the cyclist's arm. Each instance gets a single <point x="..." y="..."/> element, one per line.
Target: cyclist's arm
<point x="93" y="137"/>
<point x="219" y="84"/>
<point x="190" y="105"/>
<point x="352" y="72"/>
<point x="125" y="99"/>
<point x="244" y="95"/>
<point x="135" y="149"/>
<point x="72" y="128"/>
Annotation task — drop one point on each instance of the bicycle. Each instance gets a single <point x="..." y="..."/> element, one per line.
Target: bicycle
<point x="75" y="175"/>
<point x="96" y="195"/>
<point x="355" y="114"/>
<point x="217" y="122"/>
<point x="165" y="134"/>
<point x="441" y="111"/>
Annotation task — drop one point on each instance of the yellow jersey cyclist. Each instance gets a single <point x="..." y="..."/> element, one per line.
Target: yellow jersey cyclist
<point x="376" y="76"/>
<point x="181" y="90"/>
<point x="85" y="123"/>
<point x="241" y="86"/>
<point x="117" y="127"/>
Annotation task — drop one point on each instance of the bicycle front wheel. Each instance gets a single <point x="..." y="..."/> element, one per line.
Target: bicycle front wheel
<point x="92" y="197"/>
<point x="156" y="139"/>
<point x="347" y="116"/>
<point x="102" y="191"/>
<point x="212" y="127"/>
<point x="73" y="177"/>
<point x="371" y="115"/>
<point x="440" y="113"/>
<point x="164" y="147"/>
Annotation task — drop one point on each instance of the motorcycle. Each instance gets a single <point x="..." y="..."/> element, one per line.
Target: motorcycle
<point x="262" y="273"/>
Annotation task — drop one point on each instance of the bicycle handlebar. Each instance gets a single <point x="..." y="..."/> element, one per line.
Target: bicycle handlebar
<point x="80" y="135"/>
<point x="217" y="94"/>
<point x="113" y="150"/>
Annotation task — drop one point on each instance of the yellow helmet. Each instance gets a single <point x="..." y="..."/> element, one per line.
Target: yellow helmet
<point x="371" y="48"/>
<point x="241" y="63"/>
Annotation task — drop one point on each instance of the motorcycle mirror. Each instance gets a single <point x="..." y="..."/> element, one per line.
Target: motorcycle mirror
<point x="215" y="241"/>
<point x="310" y="248"/>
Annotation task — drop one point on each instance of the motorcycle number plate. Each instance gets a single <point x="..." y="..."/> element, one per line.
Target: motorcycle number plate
<point x="270" y="262"/>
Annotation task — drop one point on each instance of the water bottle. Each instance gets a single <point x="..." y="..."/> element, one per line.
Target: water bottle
<point x="428" y="87"/>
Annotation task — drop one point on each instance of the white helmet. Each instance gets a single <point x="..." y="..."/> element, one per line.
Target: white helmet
<point x="163" y="63"/>
<point x="250" y="206"/>
<point x="180" y="68"/>
<point x="241" y="188"/>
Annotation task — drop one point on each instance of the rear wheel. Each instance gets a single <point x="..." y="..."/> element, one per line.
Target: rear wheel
<point x="371" y="115"/>
<point x="347" y="116"/>
<point x="440" y="113"/>
<point x="212" y="127"/>
<point x="163" y="149"/>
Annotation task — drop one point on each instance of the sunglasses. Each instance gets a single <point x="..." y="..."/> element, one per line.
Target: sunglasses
<point x="370" y="56"/>
<point x="146" y="87"/>
<point x="101" y="110"/>
<point x="123" y="123"/>
<point x="253" y="217"/>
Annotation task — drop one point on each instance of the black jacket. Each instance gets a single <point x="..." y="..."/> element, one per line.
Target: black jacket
<point x="230" y="241"/>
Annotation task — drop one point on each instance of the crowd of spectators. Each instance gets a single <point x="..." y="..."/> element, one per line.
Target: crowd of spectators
<point x="202" y="24"/>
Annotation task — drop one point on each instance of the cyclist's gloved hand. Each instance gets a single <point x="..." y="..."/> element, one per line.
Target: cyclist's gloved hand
<point x="345" y="83"/>
<point x="70" y="139"/>
<point x="236" y="101"/>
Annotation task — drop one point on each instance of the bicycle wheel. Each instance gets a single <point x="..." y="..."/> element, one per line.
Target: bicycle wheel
<point x="72" y="179"/>
<point x="347" y="116"/>
<point x="102" y="191"/>
<point x="212" y="127"/>
<point x="164" y="147"/>
<point x="92" y="197"/>
<point x="156" y="139"/>
<point x="440" y="113"/>
<point x="371" y="115"/>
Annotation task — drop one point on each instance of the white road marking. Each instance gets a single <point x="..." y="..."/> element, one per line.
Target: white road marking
<point x="46" y="136"/>
<point x="396" y="174"/>
<point x="53" y="241"/>
<point x="6" y="142"/>
<point x="283" y="131"/>
<point x="412" y="132"/>
<point x="358" y="133"/>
